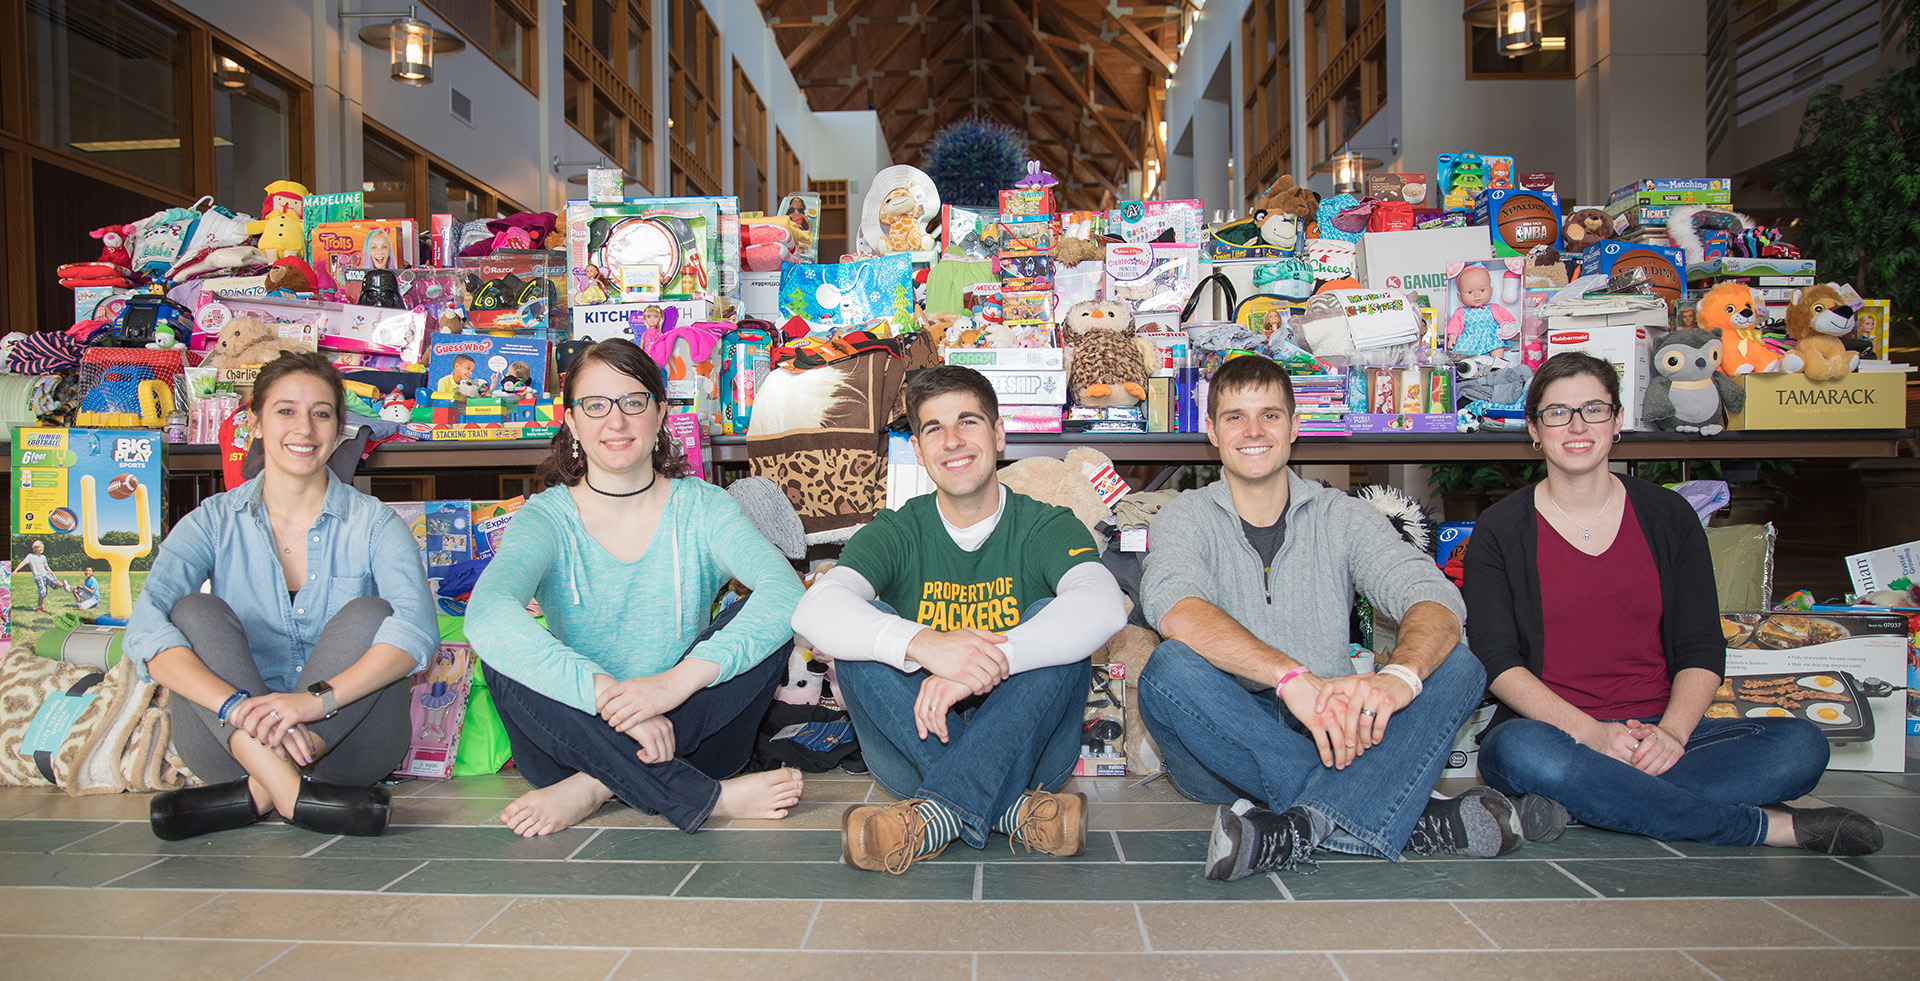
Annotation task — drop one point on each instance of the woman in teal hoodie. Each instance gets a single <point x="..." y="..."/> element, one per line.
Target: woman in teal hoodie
<point x="631" y="690"/>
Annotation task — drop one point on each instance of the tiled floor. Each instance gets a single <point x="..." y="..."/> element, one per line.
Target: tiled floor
<point x="86" y="891"/>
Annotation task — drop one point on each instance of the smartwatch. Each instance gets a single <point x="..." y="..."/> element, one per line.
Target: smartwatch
<point x="327" y="701"/>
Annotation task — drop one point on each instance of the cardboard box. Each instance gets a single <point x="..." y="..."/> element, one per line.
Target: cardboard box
<point x="1882" y="568"/>
<point x="1103" y="734"/>
<point x="1665" y="267"/>
<point x="1029" y="387"/>
<point x="1410" y="188"/>
<point x="1819" y="667"/>
<point x="607" y="320"/>
<point x="1417" y="260"/>
<point x="1675" y="190"/>
<point x="1618" y="340"/>
<point x="437" y="707"/>
<point x="1009" y="358"/>
<point x="1788" y="400"/>
<point x="1518" y="220"/>
<point x="92" y="499"/>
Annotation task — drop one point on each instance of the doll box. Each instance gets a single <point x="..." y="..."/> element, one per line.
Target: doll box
<point x="1822" y="668"/>
<point x="437" y="708"/>
<point x="1146" y="221"/>
<point x="1789" y="400"/>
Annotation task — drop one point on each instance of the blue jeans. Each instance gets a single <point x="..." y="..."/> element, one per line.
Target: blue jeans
<point x="713" y="733"/>
<point x="1221" y="742"/>
<point x="1712" y="794"/>
<point x="1023" y="733"/>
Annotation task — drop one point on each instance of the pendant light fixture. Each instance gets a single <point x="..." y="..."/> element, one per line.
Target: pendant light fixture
<point x="410" y="43"/>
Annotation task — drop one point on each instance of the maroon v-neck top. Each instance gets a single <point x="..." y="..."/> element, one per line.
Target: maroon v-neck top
<point x="1603" y="650"/>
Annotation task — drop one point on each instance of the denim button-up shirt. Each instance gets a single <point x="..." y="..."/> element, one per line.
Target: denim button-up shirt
<point x="357" y="547"/>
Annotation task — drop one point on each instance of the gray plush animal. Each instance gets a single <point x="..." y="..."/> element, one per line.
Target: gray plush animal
<point x="1688" y="392"/>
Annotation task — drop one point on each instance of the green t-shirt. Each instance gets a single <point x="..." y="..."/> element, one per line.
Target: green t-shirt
<point x="914" y="566"/>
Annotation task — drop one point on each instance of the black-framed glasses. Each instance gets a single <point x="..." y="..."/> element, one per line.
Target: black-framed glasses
<point x="597" y="406"/>
<point x="1594" y="413"/>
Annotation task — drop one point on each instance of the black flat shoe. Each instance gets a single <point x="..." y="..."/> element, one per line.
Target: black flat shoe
<point x="1834" y="830"/>
<point x="332" y="809"/>
<point x="180" y="814"/>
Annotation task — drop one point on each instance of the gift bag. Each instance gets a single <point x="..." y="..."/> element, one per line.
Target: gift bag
<point x="848" y="294"/>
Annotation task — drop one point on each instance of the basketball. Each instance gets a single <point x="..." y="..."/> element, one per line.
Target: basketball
<point x="1526" y="221"/>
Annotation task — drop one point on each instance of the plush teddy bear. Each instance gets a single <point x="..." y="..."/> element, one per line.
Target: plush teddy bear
<point x="1687" y="392"/>
<point x="1065" y="483"/>
<point x="1730" y="310"/>
<point x="1073" y="251"/>
<point x="1286" y="198"/>
<point x="247" y="341"/>
<point x="1107" y="362"/>
<point x="1816" y="320"/>
<point x="291" y="274"/>
<point x="1585" y="227"/>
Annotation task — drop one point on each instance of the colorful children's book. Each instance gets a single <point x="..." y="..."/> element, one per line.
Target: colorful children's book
<point x="449" y="535"/>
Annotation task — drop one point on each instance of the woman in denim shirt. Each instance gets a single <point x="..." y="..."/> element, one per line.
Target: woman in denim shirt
<point x="289" y="677"/>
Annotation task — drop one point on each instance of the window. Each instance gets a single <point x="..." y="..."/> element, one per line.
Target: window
<point x="749" y="143"/>
<point x="609" y="66"/>
<point x="789" y="175"/>
<point x="1267" y="113"/>
<point x="1553" y="58"/>
<point x="693" y="115"/>
<point x="107" y="81"/>
<point x="504" y="29"/>
<point x="403" y="181"/>
<point x="255" y="139"/>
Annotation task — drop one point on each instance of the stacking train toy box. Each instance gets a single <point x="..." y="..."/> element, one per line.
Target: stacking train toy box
<point x="1840" y="671"/>
<point x="86" y="524"/>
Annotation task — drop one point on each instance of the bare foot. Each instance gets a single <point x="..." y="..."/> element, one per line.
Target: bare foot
<point x="759" y="795"/>
<point x="550" y="809"/>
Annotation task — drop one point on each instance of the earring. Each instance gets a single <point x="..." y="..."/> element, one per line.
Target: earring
<point x="1536" y="444"/>
<point x="1616" y="436"/>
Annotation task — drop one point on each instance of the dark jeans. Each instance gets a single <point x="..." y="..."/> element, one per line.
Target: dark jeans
<point x="1222" y="742"/>
<point x="713" y="734"/>
<point x="1712" y="794"/>
<point x="365" y="742"/>
<point x="1022" y="734"/>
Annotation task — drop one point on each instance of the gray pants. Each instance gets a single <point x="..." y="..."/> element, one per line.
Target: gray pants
<point x="366" y="741"/>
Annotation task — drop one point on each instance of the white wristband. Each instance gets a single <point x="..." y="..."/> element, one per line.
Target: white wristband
<point x="1405" y="674"/>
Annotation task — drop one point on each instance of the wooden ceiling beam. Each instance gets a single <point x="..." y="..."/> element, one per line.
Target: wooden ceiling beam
<point x="1133" y="30"/>
<point x="1061" y="135"/>
<point x="1061" y="75"/>
<point x="814" y="45"/>
<point x="1086" y="31"/>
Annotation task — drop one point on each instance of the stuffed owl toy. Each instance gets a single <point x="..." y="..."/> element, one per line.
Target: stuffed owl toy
<point x="1688" y="392"/>
<point x="1107" y="363"/>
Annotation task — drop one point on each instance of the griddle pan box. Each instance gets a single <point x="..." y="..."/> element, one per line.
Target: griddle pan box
<point x="1836" y="670"/>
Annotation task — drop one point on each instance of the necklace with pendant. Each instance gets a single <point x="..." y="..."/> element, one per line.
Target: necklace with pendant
<point x="1586" y="530"/>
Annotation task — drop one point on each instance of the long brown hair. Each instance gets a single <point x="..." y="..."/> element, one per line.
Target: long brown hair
<point x="567" y="464"/>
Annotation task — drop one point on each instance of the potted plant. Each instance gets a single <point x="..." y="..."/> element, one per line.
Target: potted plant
<point x="1466" y="489"/>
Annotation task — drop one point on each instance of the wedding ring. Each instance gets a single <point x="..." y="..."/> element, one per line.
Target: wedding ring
<point x="1369" y="713"/>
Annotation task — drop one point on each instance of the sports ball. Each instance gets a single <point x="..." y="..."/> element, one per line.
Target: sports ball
<point x="1526" y="221"/>
<point x="121" y="487"/>
<point x="61" y="519"/>
<point x="1661" y="274"/>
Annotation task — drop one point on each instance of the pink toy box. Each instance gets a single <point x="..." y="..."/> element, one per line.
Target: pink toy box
<point x="437" y="704"/>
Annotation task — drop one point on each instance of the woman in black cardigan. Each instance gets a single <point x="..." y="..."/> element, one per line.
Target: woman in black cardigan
<point x="1590" y="599"/>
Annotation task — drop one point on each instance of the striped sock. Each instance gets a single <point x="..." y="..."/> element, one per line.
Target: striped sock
<point x="1011" y="819"/>
<point x="942" y="826"/>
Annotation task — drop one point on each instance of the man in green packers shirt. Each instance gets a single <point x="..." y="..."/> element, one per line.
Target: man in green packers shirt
<point x="968" y="700"/>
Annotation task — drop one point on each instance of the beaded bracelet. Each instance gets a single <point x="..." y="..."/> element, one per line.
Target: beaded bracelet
<point x="240" y="695"/>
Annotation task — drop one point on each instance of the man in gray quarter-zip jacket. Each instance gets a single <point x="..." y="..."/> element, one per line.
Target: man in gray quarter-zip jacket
<point x="1251" y="581"/>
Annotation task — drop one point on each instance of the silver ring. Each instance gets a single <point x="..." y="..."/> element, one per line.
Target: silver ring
<point x="273" y="715"/>
<point x="1369" y="713"/>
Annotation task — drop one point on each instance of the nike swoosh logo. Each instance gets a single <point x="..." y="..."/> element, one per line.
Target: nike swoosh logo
<point x="1077" y="551"/>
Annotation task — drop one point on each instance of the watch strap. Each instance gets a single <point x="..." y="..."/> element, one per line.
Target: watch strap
<point x="327" y="700"/>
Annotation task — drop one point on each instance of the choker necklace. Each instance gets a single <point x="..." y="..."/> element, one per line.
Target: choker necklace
<point x="1586" y="530"/>
<point x="643" y="490"/>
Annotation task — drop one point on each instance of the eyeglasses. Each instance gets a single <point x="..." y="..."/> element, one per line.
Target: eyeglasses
<point x="1559" y="415"/>
<point x="597" y="406"/>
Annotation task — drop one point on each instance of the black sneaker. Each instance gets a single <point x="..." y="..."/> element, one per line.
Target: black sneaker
<point x="1248" y="839"/>
<point x="1480" y="822"/>
<point x="1834" y="830"/>
<point x="1539" y="817"/>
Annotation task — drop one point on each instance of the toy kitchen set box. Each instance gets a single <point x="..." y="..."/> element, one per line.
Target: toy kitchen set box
<point x="86" y="522"/>
<point x="1840" y="671"/>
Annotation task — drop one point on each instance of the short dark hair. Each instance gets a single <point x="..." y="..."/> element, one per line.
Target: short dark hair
<point x="939" y="380"/>
<point x="627" y="358"/>
<point x="1248" y="371"/>
<point x="1572" y="364"/>
<point x="459" y="358"/>
<point x="300" y="363"/>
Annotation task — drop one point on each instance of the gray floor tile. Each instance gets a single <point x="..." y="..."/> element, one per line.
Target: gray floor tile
<point x="46" y="836"/>
<point x="937" y="879"/>
<point x="1902" y="871"/>
<point x="30" y="869"/>
<point x="1483" y="879"/>
<point x="1775" y="875"/>
<point x="266" y="839"/>
<point x="673" y="845"/>
<point x="545" y="878"/>
<point x="1899" y="812"/>
<point x="418" y="842"/>
<point x="224" y="872"/>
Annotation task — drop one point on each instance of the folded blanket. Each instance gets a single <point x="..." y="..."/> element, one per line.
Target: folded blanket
<point x="85" y="731"/>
